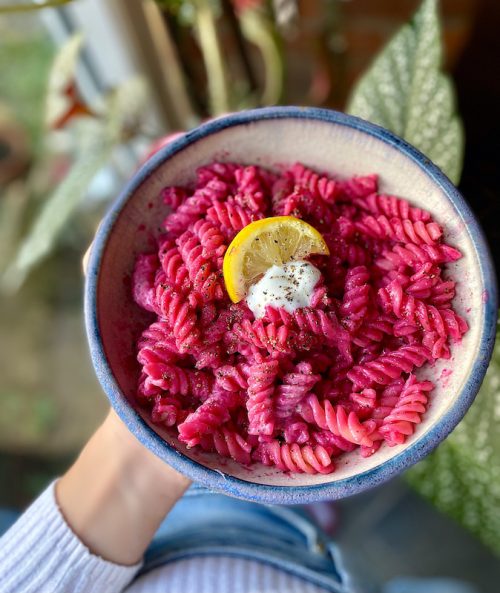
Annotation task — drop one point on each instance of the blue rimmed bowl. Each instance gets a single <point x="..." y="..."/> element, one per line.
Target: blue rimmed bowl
<point x="321" y="139"/>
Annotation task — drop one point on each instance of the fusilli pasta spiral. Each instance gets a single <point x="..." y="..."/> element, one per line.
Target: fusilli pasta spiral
<point x="400" y="229"/>
<point x="295" y="458"/>
<point x="261" y="379"/>
<point x="407" y="411"/>
<point x="392" y="207"/>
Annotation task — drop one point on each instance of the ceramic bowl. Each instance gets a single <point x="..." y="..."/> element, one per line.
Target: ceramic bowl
<point x="324" y="140"/>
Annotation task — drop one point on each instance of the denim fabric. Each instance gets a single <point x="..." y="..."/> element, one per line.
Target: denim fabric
<point x="204" y="523"/>
<point x="7" y="519"/>
<point x="434" y="585"/>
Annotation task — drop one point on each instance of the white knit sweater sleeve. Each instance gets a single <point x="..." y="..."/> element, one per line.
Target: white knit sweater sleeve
<point x="41" y="554"/>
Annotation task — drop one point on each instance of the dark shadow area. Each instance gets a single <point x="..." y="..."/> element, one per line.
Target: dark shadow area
<point x="477" y="77"/>
<point x="23" y="477"/>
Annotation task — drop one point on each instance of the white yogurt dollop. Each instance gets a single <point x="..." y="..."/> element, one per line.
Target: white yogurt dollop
<point x="289" y="286"/>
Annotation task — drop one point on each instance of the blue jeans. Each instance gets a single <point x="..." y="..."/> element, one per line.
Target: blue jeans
<point x="7" y="518"/>
<point x="205" y="523"/>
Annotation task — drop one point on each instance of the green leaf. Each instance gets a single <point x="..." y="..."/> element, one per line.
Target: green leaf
<point x="405" y="91"/>
<point x="462" y="477"/>
<point x="13" y="205"/>
<point x="94" y="152"/>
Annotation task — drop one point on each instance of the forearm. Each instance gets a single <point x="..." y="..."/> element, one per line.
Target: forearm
<point x="117" y="493"/>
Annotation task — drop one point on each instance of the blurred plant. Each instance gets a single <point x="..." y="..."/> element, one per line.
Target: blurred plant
<point x="206" y="29"/>
<point x="31" y="55"/>
<point x="39" y="412"/>
<point x="28" y="5"/>
<point x="404" y="90"/>
<point x="286" y="13"/>
<point x="93" y="134"/>
<point x="228" y="34"/>
<point x="259" y="30"/>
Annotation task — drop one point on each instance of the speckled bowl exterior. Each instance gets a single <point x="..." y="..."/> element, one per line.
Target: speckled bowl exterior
<point x="274" y="137"/>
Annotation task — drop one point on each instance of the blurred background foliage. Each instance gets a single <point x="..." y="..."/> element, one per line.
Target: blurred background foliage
<point x="65" y="152"/>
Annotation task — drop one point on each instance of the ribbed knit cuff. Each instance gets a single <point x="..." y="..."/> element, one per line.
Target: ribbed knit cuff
<point x="41" y="554"/>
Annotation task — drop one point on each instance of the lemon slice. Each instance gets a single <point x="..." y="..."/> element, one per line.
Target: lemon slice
<point x="264" y="243"/>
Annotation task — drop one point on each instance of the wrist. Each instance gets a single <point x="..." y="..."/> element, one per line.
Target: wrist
<point x="139" y="472"/>
<point x="116" y="494"/>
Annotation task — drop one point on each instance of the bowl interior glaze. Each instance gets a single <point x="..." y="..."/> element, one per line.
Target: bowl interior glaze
<point x="323" y="140"/>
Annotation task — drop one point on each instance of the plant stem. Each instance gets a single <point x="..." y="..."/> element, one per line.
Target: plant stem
<point x="183" y="40"/>
<point x="155" y="38"/>
<point x="259" y="31"/>
<point x="240" y="44"/>
<point x="213" y="58"/>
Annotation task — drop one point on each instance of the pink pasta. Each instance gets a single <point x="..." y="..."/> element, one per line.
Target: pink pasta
<point x="175" y="270"/>
<point x="320" y="186"/>
<point x="356" y="299"/>
<point x="260" y="404"/>
<point x="294" y="390"/>
<point x="407" y="411"/>
<point x="273" y="337"/>
<point x="337" y="420"/>
<point x="208" y="417"/>
<point x="392" y="207"/>
<point x="227" y="442"/>
<point x="145" y="271"/>
<point x="404" y="306"/>
<point x="295" y="386"/>
<point x="389" y="366"/>
<point x="295" y="458"/>
<point x="179" y="381"/>
<point x="166" y="410"/>
<point x="400" y="229"/>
